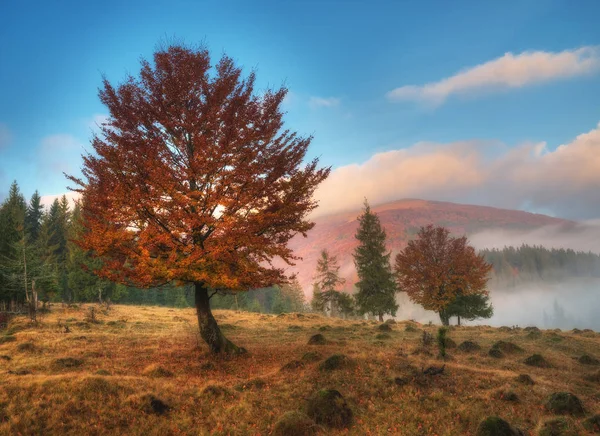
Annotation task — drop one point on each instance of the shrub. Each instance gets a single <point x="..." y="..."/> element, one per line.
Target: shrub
<point x="537" y="360"/>
<point x="336" y="361"/>
<point x="317" y="339"/>
<point x="295" y="423"/>
<point x="564" y="403"/>
<point x="328" y="407"/>
<point x="494" y="426"/>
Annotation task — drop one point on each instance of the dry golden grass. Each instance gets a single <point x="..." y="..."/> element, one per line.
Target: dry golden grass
<point x="111" y="377"/>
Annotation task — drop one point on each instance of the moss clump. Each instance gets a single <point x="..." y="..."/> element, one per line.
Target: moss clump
<point x="509" y="396"/>
<point x="594" y="378"/>
<point x="312" y="356"/>
<point x="410" y="329"/>
<point x="207" y="366"/>
<point x="469" y="347"/>
<point x="27" y="347"/>
<point x="537" y="360"/>
<point x="494" y="426"/>
<point x="294" y="328"/>
<point x="449" y="343"/>
<point x="586" y="359"/>
<point x="67" y="362"/>
<point x="7" y="338"/>
<point x="215" y="391"/>
<point x="253" y="384"/>
<point x="102" y="372"/>
<point x="495" y="353"/>
<point x="525" y="379"/>
<point x="383" y="336"/>
<point x="329" y="408"/>
<point x="564" y="403"/>
<point x="295" y="423"/>
<point x="317" y="339"/>
<point x="324" y="328"/>
<point x="385" y="327"/>
<point x="508" y="347"/>
<point x="592" y="424"/>
<point x="292" y="365"/>
<point x="337" y="361"/>
<point x="390" y="321"/>
<point x="149" y="404"/>
<point x="556" y="427"/>
<point x="156" y="370"/>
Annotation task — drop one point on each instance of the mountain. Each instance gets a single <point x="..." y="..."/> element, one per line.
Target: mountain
<point x="402" y="220"/>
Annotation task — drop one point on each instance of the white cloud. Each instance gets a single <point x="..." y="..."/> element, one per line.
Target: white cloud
<point x="96" y="122"/>
<point x="58" y="154"/>
<point x="508" y="71"/>
<point x="5" y="136"/>
<point x="565" y="181"/>
<point x="72" y="197"/>
<point x="317" y="102"/>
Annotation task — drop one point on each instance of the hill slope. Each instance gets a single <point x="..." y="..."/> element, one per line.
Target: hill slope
<point x="401" y="220"/>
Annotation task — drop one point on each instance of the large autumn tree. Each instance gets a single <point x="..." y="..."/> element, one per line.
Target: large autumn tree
<point x="194" y="179"/>
<point x="436" y="268"/>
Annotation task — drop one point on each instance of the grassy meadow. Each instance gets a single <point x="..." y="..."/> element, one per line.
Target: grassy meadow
<point x="145" y="371"/>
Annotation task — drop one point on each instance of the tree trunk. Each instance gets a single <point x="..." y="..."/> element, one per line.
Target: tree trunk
<point x="459" y="320"/>
<point x="380" y="316"/>
<point x="209" y="330"/>
<point x="444" y="318"/>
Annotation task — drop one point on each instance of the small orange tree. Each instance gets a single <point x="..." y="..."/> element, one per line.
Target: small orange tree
<point x="194" y="180"/>
<point x="435" y="268"/>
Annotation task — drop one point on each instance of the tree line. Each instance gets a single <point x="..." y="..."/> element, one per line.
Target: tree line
<point x="513" y="266"/>
<point x="37" y="253"/>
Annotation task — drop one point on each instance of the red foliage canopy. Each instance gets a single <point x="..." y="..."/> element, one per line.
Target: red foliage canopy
<point x="435" y="268"/>
<point x="194" y="178"/>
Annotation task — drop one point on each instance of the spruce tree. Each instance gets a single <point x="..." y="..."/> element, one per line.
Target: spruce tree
<point x="327" y="282"/>
<point x="33" y="216"/>
<point x="376" y="288"/>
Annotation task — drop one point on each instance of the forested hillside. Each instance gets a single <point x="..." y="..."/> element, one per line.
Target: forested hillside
<point x="526" y="264"/>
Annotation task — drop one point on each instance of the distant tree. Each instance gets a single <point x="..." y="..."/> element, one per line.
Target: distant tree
<point x="194" y="179"/>
<point x="33" y="216"/>
<point x="376" y="288"/>
<point x="435" y="268"/>
<point x="346" y="304"/>
<point x="294" y="295"/>
<point x="328" y="281"/>
<point x="12" y="218"/>
<point x="470" y="307"/>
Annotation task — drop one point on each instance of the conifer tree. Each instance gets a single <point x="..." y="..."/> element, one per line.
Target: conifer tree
<point x="376" y="288"/>
<point x="33" y="216"/>
<point x="327" y="281"/>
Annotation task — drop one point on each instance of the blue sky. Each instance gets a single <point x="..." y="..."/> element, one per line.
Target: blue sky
<point x="341" y="61"/>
